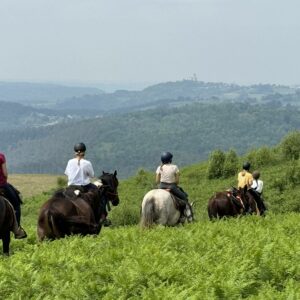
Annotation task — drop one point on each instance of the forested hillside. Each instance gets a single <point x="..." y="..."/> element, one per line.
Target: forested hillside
<point x="135" y="140"/>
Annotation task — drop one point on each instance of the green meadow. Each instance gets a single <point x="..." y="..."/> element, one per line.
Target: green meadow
<point x="247" y="257"/>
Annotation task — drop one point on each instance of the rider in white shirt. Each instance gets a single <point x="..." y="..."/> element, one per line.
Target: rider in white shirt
<point x="79" y="170"/>
<point x="257" y="184"/>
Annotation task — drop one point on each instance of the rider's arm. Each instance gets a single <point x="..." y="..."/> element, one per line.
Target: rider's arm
<point x="157" y="178"/>
<point x="177" y="178"/>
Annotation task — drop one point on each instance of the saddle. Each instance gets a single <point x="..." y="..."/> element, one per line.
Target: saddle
<point x="179" y="203"/>
<point x="235" y="199"/>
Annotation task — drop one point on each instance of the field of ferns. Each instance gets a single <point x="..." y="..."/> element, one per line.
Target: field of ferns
<point x="249" y="257"/>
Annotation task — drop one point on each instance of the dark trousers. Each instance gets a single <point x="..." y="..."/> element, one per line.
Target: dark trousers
<point x="175" y="190"/>
<point x="13" y="197"/>
<point x="259" y="200"/>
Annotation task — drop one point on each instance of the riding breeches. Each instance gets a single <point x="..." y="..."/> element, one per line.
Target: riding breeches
<point x="12" y="196"/>
<point x="175" y="190"/>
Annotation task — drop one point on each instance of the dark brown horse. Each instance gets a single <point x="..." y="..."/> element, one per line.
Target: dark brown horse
<point x="231" y="203"/>
<point x="7" y="223"/>
<point x="64" y="215"/>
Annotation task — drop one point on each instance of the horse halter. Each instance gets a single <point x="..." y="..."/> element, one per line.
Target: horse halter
<point x="109" y="189"/>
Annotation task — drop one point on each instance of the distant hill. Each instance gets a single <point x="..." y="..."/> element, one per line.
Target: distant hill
<point x="179" y="93"/>
<point x="135" y="140"/>
<point x="15" y="116"/>
<point x="41" y="94"/>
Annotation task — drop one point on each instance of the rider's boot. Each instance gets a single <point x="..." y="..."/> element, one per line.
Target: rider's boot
<point x="20" y="233"/>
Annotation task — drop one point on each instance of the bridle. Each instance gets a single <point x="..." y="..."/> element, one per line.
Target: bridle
<point x="109" y="190"/>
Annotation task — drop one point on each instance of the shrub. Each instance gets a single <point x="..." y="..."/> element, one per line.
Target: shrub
<point x="216" y="164"/>
<point x="61" y="182"/>
<point x="261" y="157"/>
<point x="293" y="174"/>
<point x="230" y="164"/>
<point x="290" y="146"/>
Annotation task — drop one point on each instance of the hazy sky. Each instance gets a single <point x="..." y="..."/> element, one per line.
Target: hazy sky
<point x="234" y="41"/>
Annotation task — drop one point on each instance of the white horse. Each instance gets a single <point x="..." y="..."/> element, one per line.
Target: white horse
<point x="158" y="207"/>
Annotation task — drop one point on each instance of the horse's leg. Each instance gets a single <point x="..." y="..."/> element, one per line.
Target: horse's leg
<point x="212" y="209"/>
<point x="5" y="242"/>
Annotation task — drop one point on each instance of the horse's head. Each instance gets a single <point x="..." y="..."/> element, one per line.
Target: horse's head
<point x="110" y="184"/>
<point x="188" y="212"/>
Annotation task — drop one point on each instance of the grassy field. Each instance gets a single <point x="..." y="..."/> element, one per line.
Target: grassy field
<point x="33" y="184"/>
<point x="248" y="257"/>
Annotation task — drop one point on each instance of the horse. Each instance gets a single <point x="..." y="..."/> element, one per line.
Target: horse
<point x="159" y="207"/>
<point x="231" y="203"/>
<point x="64" y="214"/>
<point x="7" y="223"/>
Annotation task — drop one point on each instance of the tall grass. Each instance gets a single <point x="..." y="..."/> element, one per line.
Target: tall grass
<point x="248" y="257"/>
<point x="256" y="258"/>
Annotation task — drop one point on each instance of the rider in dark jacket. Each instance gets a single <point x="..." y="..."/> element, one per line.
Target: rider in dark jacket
<point x="12" y="195"/>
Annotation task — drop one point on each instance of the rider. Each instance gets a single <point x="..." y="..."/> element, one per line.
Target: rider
<point x="12" y="196"/>
<point x="257" y="186"/>
<point x="167" y="176"/>
<point x="245" y="178"/>
<point x="80" y="172"/>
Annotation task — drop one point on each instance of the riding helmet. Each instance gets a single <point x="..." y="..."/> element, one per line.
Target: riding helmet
<point x="166" y="157"/>
<point x="246" y="166"/>
<point x="80" y="147"/>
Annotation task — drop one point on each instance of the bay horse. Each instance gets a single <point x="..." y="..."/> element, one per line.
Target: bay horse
<point x="8" y="223"/>
<point x="65" y="214"/>
<point x="231" y="203"/>
<point x="159" y="207"/>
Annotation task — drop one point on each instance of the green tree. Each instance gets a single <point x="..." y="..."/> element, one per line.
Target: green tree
<point x="216" y="164"/>
<point x="290" y="146"/>
<point x="231" y="162"/>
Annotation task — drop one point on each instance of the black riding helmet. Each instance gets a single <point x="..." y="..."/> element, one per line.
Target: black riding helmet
<point x="80" y="147"/>
<point x="166" y="157"/>
<point x="246" y="166"/>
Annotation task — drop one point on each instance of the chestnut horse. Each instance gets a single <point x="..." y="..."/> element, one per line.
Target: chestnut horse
<point x="7" y="223"/>
<point x="64" y="215"/>
<point x="231" y="203"/>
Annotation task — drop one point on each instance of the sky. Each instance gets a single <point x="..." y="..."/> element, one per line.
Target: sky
<point x="150" y="41"/>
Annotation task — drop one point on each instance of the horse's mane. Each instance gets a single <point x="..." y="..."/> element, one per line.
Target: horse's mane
<point x="59" y="193"/>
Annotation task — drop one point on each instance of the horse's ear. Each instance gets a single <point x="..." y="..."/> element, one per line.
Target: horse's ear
<point x="245" y="189"/>
<point x="115" y="174"/>
<point x="103" y="172"/>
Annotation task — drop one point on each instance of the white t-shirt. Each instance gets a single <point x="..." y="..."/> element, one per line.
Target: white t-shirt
<point x="167" y="173"/>
<point x="257" y="185"/>
<point x="79" y="172"/>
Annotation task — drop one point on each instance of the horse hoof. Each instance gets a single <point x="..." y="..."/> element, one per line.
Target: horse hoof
<point x="106" y="223"/>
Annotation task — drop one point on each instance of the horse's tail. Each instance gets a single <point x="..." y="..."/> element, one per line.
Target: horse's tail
<point x="56" y="222"/>
<point x="147" y="213"/>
